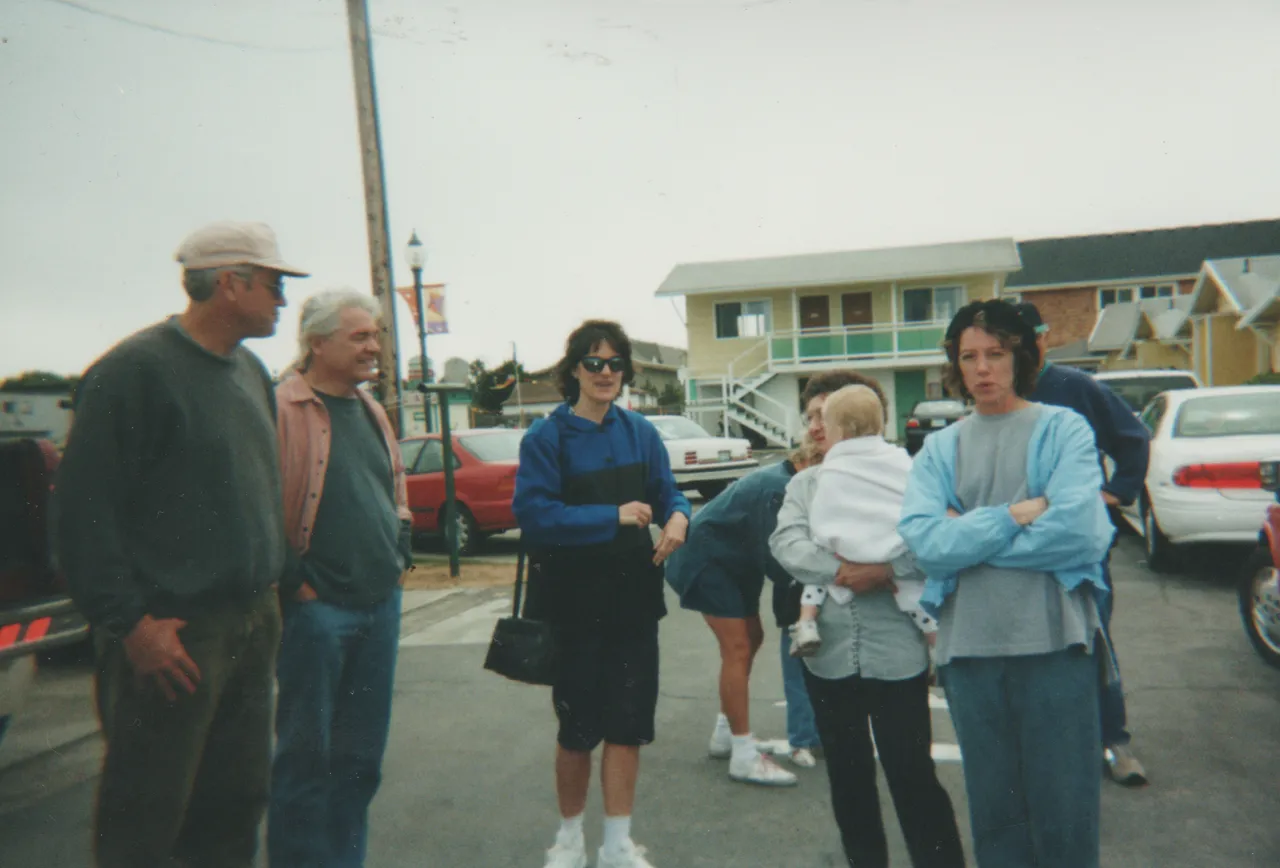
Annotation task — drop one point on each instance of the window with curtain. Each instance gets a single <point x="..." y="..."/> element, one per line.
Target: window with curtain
<point x="930" y="303"/>
<point x="743" y="319"/>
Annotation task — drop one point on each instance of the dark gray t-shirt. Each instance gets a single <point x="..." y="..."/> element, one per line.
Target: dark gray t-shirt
<point x="168" y="496"/>
<point x="355" y="557"/>
<point x="1006" y="612"/>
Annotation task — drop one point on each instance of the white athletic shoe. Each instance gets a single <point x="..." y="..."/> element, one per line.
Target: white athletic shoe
<point x="762" y="770"/>
<point x="630" y="856"/>
<point x="805" y="640"/>
<point x="572" y="856"/>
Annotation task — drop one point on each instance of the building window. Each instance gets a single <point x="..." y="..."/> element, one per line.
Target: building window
<point x="931" y="303"/>
<point x="743" y="319"/>
<point x="1127" y="294"/>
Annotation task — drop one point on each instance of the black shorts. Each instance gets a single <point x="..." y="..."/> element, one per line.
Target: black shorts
<point x="724" y="594"/>
<point x="607" y="689"/>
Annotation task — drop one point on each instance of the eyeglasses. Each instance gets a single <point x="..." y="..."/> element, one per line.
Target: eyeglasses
<point x="276" y="288"/>
<point x="595" y="364"/>
<point x="274" y="284"/>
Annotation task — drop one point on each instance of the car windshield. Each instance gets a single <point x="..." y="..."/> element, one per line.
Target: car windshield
<point x="678" y="428"/>
<point x="1236" y="415"/>
<point x="938" y="408"/>
<point x="499" y="446"/>
<point x="1137" y="392"/>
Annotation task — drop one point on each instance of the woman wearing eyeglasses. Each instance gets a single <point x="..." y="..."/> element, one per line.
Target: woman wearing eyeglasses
<point x="592" y="478"/>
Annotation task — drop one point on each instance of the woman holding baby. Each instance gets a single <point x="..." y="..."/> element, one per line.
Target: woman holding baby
<point x="868" y="662"/>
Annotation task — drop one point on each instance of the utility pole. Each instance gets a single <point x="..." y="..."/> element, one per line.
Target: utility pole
<point x="389" y="387"/>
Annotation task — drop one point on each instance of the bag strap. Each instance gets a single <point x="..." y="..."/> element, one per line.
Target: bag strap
<point x="519" y="594"/>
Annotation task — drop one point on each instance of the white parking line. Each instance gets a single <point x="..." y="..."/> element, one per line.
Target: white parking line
<point x="472" y="627"/>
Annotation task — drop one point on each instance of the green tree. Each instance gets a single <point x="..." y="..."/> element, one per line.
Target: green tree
<point x="490" y="389"/>
<point x="672" y="399"/>
<point x="39" y="381"/>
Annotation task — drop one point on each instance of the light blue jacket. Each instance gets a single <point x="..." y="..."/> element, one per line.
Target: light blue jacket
<point x="1069" y="541"/>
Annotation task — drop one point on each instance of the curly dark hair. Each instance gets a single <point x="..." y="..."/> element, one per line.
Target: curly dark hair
<point x="832" y="381"/>
<point x="1001" y="320"/>
<point x="582" y="342"/>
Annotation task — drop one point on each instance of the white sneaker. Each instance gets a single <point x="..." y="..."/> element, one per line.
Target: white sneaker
<point x="721" y="746"/>
<point x="803" y="757"/>
<point x="805" y="640"/>
<point x="762" y="770"/>
<point x="571" y="856"/>
<point x="630" y="856"/>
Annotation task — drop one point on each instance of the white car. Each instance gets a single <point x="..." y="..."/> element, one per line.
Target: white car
<point x="1137" y="388"/>
<point x="700" y="461"/>
<point x="1202" y="481"/>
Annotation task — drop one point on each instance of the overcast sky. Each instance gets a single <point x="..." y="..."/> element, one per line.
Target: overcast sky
<point x="558" y="158"/>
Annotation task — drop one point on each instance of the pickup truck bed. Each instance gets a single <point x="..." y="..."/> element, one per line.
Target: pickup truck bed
<point x="35" y="612"/>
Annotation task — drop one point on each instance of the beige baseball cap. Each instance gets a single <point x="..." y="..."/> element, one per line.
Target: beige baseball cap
<point x="230" y="243"/>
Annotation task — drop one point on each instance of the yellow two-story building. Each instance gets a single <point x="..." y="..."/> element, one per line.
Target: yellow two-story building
<point x="759" y="328"/>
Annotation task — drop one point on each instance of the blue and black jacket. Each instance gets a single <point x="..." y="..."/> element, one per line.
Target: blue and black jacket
<point x="585" y="568"/>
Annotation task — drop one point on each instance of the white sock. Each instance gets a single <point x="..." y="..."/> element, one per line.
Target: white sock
<point x="744" y="747"/>
<point x="722" y="722"/>
<point x="617" y="830"/>
<point x="570" y="831"/>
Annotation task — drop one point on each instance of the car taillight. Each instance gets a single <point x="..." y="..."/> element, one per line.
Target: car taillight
<point x="913" y="423"/>
<point x="749" y="452"/>
<point x="690" y="458"/>
<point x="1269" y="475"/>
<point x="1241" y="474"/>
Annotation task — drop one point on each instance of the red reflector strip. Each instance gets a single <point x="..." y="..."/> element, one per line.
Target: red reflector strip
<point x="1243" y="474"/>
<point x="9" y="634"/>
<point x="37" y="629"/>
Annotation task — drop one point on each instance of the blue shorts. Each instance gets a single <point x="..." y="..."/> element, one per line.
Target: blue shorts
<point x="721" y="594"/>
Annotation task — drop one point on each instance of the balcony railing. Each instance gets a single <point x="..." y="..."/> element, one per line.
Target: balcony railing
<point x="879" y="340"/>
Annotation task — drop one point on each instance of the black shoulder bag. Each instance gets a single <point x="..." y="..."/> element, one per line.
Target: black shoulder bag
<point x="522" y="649"/>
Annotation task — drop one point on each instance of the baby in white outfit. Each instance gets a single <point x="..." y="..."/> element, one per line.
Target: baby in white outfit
<point x="855" y="510"/>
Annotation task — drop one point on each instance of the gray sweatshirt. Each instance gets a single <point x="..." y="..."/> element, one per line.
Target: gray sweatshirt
<point x="168" y="495"/>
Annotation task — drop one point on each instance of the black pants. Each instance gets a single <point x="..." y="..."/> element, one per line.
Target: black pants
<point x="898" y="711"/>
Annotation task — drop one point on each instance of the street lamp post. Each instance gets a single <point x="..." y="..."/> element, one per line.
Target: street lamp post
<point x="416" y="253"/>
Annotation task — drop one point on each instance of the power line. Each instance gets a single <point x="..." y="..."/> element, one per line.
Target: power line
<point x="182" y="34"/>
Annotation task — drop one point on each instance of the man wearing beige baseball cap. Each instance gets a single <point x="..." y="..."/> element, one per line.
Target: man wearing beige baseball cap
<point x="171" y="531"/>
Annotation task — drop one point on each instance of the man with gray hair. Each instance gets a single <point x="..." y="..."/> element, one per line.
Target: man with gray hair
<point x="347" y="523"/>
<point x="171" y="532"/>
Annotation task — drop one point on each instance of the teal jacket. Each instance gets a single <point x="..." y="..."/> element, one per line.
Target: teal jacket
<point x="1069" y="541"/>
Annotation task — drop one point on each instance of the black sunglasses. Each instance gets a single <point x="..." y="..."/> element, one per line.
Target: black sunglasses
<point x="595" y="364"/>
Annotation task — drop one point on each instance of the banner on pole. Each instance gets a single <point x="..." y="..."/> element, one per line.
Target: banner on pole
<point x="433" y="295"/>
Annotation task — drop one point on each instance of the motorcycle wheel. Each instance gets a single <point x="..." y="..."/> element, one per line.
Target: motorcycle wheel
<point x="1260" y="606"/>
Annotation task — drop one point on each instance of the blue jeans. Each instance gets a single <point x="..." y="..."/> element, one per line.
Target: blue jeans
<point x="1029" y="733"/>
<point x="1111" y="696"/>
<point x="336" y="673"/>
<point x="802" y="729"/>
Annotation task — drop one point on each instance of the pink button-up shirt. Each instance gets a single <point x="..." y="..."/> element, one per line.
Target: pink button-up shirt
<point x="304" y="432"/>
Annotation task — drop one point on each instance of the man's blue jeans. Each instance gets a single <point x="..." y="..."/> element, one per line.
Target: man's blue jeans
<point x="1029" y="734"/>
<point x="802" y="729"/>
<point x="336" y="674"/>
<point x="1111" y="696"/>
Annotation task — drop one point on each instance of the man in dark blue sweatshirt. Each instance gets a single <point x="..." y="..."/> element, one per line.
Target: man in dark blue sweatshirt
<point x="1123" y="439"/>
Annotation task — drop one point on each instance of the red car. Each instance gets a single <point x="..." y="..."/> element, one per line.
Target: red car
<point x="484" y="476"/>
<point x="1259" y="585"/>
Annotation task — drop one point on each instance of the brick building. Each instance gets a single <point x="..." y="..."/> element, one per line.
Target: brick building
<point x="1071" y="280"/>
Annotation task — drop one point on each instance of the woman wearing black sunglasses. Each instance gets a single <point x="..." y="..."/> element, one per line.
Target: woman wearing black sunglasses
<point x="592" y="478"/>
